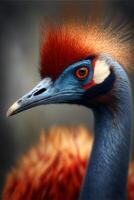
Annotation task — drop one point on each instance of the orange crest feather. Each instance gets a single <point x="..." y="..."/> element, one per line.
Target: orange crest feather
<point x="65" y="44"/>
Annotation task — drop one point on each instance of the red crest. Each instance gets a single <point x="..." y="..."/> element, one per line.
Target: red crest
<point x="65" y="45"/>
<point x="60" y="48"/>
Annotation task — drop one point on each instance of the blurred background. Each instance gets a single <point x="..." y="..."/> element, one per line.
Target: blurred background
<point x="19" y="61"/>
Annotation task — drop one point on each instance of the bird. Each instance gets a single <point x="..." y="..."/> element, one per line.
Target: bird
<point x="86" y="65"/>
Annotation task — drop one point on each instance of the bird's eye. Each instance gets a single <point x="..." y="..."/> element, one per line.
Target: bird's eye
<point x="82" y="72"/>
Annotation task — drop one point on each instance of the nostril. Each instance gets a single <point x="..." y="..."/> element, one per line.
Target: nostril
<point x="20" y="101"/>
<point x="29" y="95"/>
<point x="40" y="91"/>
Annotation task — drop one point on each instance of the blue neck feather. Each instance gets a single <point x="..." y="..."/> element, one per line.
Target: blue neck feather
<point x="106" y="176"/>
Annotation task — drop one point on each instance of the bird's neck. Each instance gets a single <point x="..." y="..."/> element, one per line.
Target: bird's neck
<point x="106" y="176"/>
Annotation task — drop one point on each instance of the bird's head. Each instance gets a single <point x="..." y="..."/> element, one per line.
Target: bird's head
<point x="72" y="69"/>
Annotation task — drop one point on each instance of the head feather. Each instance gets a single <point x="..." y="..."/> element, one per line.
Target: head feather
<point x="65" y="44"/>
<point x="62" y="46"/>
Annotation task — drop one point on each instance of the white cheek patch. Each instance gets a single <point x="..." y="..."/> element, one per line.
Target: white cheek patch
<point x="101" y="71"/>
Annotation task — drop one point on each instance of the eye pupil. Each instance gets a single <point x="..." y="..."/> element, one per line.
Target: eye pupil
<point x="82" y="72"/>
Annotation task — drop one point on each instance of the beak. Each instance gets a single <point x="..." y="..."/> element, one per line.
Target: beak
<point x="40" y="94"/>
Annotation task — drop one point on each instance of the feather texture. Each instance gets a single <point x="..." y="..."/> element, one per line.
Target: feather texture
<point x="63" y="45"/>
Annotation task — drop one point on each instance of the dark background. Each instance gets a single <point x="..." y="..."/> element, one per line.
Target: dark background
<point x="19" y="61"/>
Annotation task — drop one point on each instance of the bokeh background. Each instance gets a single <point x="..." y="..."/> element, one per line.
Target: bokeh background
<point x="19" y="61"/>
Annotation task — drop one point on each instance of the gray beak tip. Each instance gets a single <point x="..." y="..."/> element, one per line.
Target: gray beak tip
<point x="8" y="113"/>
<point x="31" y="99"/>
<point x="12" y="109"/>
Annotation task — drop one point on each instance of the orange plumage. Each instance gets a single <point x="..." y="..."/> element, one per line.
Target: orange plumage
<point x="54" y="169"/>
<point x="131" y="182"/>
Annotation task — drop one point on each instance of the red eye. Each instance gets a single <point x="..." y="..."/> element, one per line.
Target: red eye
<point x="82" y="72"/>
